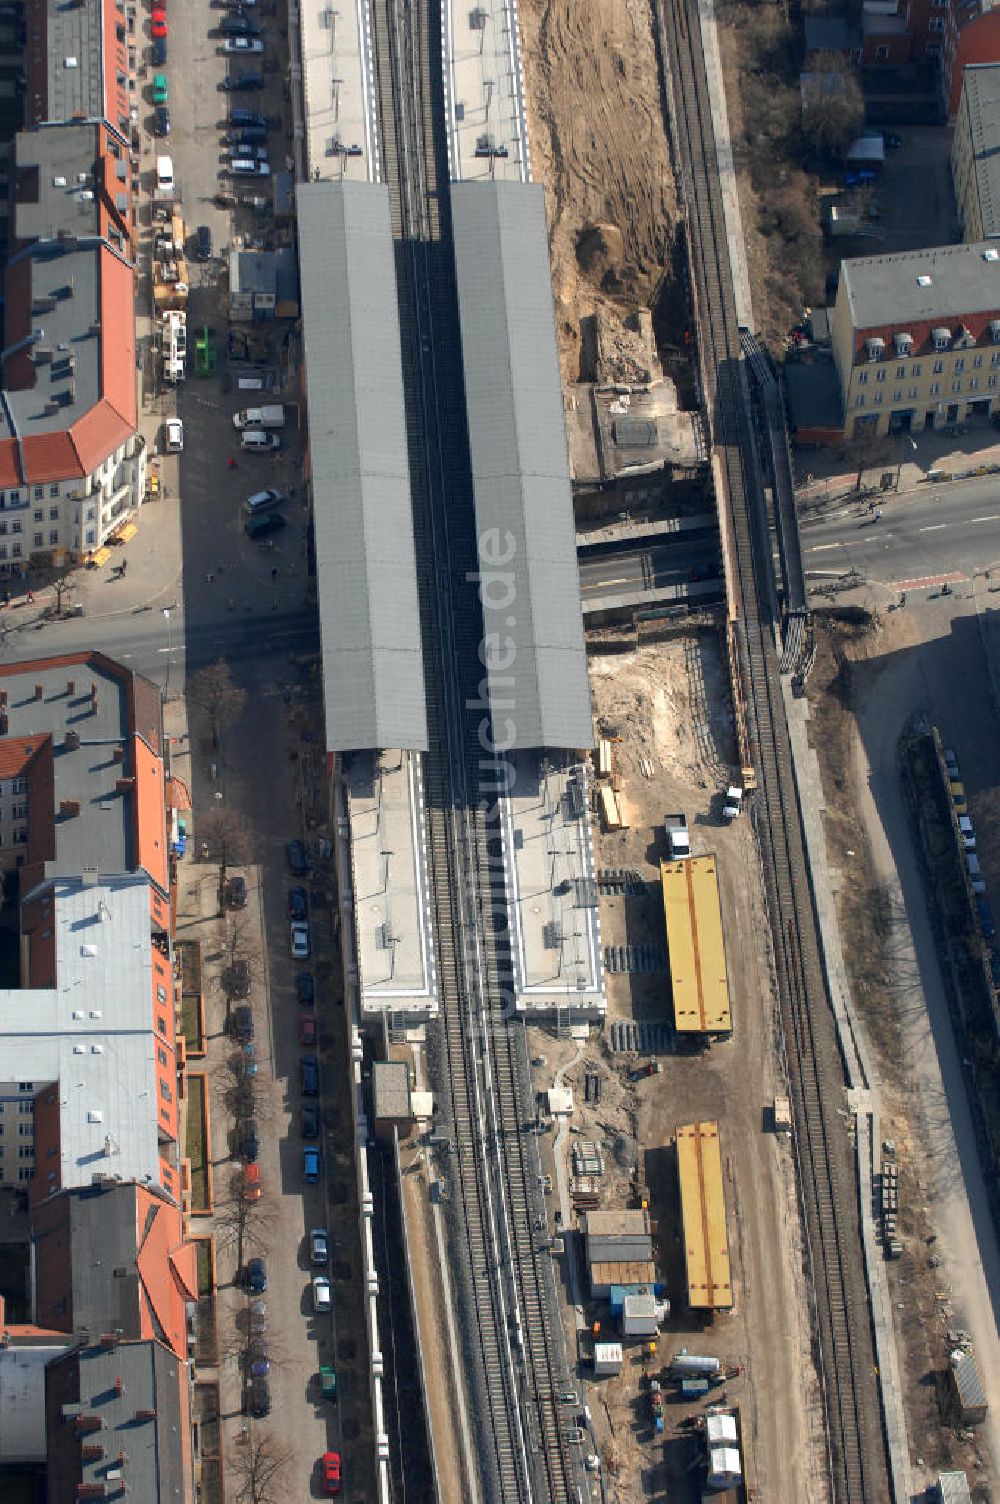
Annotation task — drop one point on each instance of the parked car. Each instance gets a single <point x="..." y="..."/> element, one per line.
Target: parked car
<point x="259" y="1400"/>
<point x="237" y="147"/>
<point x="159" y="52"/>
<point x="305" y="986"/>
<point x="298" y="903"/>
<point x="958" y="796"/>
<point x="259" y="527"/>
<point x="263" y="501"/>
<point x="161" y="121"/>
<point x="174" y="433"/>
<point x="296" y="854"/>
<point x="259" y="1358"/>
<point x="310" y="1120"/>
<point x="240" y="118"/>
<point x="319" y="1248"/>
<point x="249" y="1139"/>
<point x="321" y="1293"/>
<point x="236" y="892"/>
<point x="243" y="45"/>
<point x="300" y="939"/>
<point x="328" y="1382"/>
<point x="330" y="1474"/>
<point x="237" y="26"/>
<point x="251" y="1186"/>
<point x="309" y="1075"/>
<point x="236" y="978"/>
<point x="248" y="136"/>
<point x="243" y="1023"/>
<point x="256" y="1276"/>
<point x="240" y="82"/>
<point x="158" y="22"/>
<point x="307" y="1029"/>
<point x="951" y="763"/>
<point x="310" y="1165"/>
<point x="255" y="441"/>
<point x="243" y="167"/>
<point x="204" y="243"/>
<point x="967" y="832"/>
<point x="257" y="1316"/>
<point x="161" y="89"/>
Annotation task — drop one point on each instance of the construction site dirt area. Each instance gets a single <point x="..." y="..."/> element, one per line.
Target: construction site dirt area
<point x="872" y="676"/>
<point x="665" y="703"/>
<point x="599" y="144"/>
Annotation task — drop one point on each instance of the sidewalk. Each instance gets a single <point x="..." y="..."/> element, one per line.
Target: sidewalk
<point x="825" y="477"/>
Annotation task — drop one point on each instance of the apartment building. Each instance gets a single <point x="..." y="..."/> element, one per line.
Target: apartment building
<point x="72" y="463"/>
<point x="91" y="1086"/>
<point x="916" y="338"/>
<point x="971" y="35"/>
<point x="975" y="153"/>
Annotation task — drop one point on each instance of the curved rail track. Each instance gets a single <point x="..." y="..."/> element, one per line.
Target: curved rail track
<point x="513" y="1343"/>
<point x="827" y="1182"/>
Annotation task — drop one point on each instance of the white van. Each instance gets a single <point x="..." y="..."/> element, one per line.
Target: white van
<point x="259" y="442"/>
<point x="164" y="175"/>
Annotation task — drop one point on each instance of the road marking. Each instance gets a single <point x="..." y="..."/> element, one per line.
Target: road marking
<point x="822" y="548"/>
<point x="934" y="527"/>
<point x="994" y="518"/>
<point x="926" y="581"/>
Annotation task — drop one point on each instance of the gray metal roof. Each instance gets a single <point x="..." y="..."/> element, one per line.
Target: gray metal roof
<point x="520" y="471"/>
<point x="73" y="41"/>
<point x="981" y="105"/>
<point x="373" y="677"/>
<point x="56" y="189"/>
<point x="953" y="1488"/>
<point x="943" y="282"/>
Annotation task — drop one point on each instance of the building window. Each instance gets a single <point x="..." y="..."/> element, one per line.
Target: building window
<point x="165" y="1092"/>
<point x="973" y="383"/>
<point x="879" y="399"/>
<point x="25" y="1108"/>
<point x="25" y="1130"/>
<point x="991" y="381"/>
<point x="19" y="812"/>
<point x="161" y="993"/>
<point x="162" y="1056"/>
<point x="900" y="372"/>
<point x="913" y="392"/>
<point x="91" y="536"/>
<point x="161" y="1023"/>
<point x="956" y="386"/>
<point x="39" y="514"/>
<point x="862" y="378"/>
<point x="897" y="395"/>
<point x="959" y="365"/>
<point x="38" y="541"/>
<point x="14" y="498"/>
<point x="859" y="401"/>
<point x="15" y="526"/>
<point x="26" y="1086"/>
<point x="54" y="535"/>
<point x="935" y="23"/>
<point x="915" y="369"/>
<point x="15" y="550"/>
<point x="23" y="1175"/>
<point x="20" y="836"/>
<point x="938" y="367"/>
<point x="935" y="389"/>
<point x="18" y="785"/>
<point x="54" y="490"/>
<point x="39" y="492"/>
<point x="881" y="54"/>
<point x="879" y="375"/>
<point x="53" y="514"/>
<point x="977" y="363"/>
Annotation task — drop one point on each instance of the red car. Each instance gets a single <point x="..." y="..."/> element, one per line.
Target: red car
<point x="330" y="1467"/>
<point x="307" y="1029"/>
<point x="159" y="26"/>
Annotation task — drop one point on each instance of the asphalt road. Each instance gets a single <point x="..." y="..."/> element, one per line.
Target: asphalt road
<point x="649" y="568"/>
<point x="933" y="532"/>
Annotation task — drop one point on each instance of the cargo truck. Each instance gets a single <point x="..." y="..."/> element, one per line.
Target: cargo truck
<point x="260" y="417"/>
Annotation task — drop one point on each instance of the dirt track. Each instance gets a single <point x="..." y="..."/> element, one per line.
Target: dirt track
<point x="600" y="147"/>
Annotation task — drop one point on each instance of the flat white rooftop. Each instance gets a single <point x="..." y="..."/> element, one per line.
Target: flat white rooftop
<point x="487" y="129"/>
<point x="92" y="1033"/>
<point x="552" y="889"/>
<point x="392" y="923"/>
<point x="338" y="99"/>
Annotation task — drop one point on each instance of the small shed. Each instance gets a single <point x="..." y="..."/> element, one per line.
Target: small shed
<point x="607" y="1359"/>
<point x="641" y="1316"/>
<point x="720" y="1431"/>
<point x="560" y="1101"/>
<point x="952" y="1488"/>
<point x="968" y="1392"/>
<point x="724" y="1469"/>
<point x="391" y="1103"/>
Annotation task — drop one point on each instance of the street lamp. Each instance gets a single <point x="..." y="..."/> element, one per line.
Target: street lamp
<point x="913" y="445"/>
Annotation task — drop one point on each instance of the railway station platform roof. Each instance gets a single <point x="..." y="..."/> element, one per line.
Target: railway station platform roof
<point x="703" y="1213"/>
<point x="340" y="138"/>
<point x="530" y="586"/>
<point x="487" y="126"/>
<point x="551" y="889"/>
<point x="392" y="922"/>
<point x="373" y="677"/>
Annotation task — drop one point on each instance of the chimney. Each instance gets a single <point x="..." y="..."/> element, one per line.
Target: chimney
<point x="72" y="741"/>
<point x="93" y="699"/>
<point x="117" y="754"/>
<point x="124" y="785"/>
<point x="68" y="808"/>
<point x="70" y="687"/>
<point x="39" y="691"/>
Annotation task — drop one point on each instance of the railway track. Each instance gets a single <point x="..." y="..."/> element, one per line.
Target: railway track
<point x="827" y="1183"/>
<point x="505" y="1285"/>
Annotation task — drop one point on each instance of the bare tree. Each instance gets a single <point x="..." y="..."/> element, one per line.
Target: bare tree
<point x="867" y="449"/>
<point x="256" y="1469"/>
<point x="221" y="700"/>
<point x="227" y="838"/>
<point x="833" y="107"/>
<point x="241" y="1224"/>
<point x="242" y="941"/>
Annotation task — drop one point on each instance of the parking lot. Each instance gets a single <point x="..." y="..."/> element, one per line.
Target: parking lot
<point x="244" y="600"/>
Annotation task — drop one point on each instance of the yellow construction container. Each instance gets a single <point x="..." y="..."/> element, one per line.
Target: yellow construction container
<point x="699" y="978"/>
<point x="703" y="1212"/>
